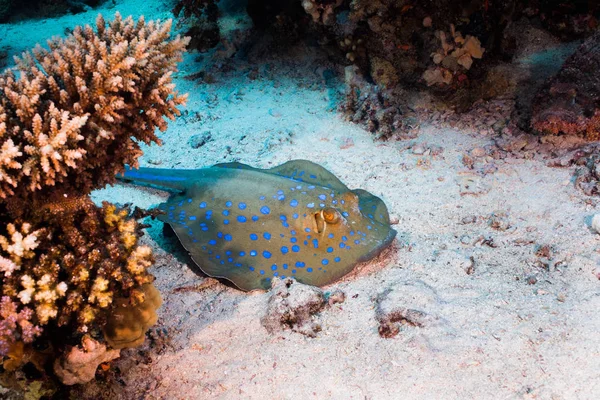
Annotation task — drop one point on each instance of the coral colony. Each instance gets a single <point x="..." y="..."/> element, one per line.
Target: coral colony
<point x="70" y="119"/>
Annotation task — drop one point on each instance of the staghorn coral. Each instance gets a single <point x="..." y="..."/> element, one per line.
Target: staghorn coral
<point x="85" y="102"/>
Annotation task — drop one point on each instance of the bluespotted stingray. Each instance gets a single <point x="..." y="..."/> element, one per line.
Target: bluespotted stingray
<point x="249" y="225"/>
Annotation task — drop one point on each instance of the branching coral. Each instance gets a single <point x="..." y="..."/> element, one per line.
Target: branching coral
<point x="71" y="275"/>
<point x="68" y="123"/>
<point x="454" y="57"/>
<point x="86" y="101"/>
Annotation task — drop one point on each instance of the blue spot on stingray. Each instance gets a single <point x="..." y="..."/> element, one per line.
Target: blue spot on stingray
<point x="370" y="216"/>
<point x="295" y="248"/>
<point x="357" y="241"/>
<point x="293" y="232"/>
<point x="253" y="236"/>
<point x="212" y="242"/>
<point x="262" y="272"/>
<point x="330" y="249"/>
<point x="342" y="201"/>
<point x="225" y="212"/>
<point x="293" y="271"/>
<point x="321" y="204"/>
<point x="192" y="217"/>
<point x="369" y="227"/>
<point x="266" y="254"/>
<point x="310" y="205"/>
<point x="342" y="245"/>
<point x="311" y="186"/>
<point x="219" y="235"/>
<point x="241" y="218"/>
<point x="333" y="201"/>
<point x="267" y="235"/>
<point x="203" y="204"/>
<point x="242" y="206"/>
<point x="274" y="267"/>
<point x="254" y="218"/>
<point x="230" y="259"/>
<point x="238" y="264"/>
<point x="251" y="268"/>
<point x="330" y="236"/>
<point x="242" y="253"/>
<point x="337" y="259"/>
<point x="225" y="222"/>
<point x="228" y="252"/>
<point x="344" y="238"/>
<point x="322" y="197"/>
<point x="301" y="173"/>
<point x="253" y="253"/>
<point x="204" y="228"/>
<point x="351" y="233"/>
<point x="309" y="269"/>
<point x="281" y="197"/>
<point x="315" y="243"/>
<point x="172" y="208"/>
<point x="306" y="229"/>
<point x="293" y="240"/>
<point x="283" y="217"/>
<point x="295" y="216"/>
<point x="180" y="203"/>
<point x="261" y="198"/>
<point x="265" y="210"/>
<point x="217" y="256"/>
<point x="285" y="266"/>
<point x="293" y="203"/>
<point x="284" y="249"/>
<point x="300" y="264"/>
<point x="345" y="214"/>
<point x="306" y="242"/>
<point x="228" y="204"/>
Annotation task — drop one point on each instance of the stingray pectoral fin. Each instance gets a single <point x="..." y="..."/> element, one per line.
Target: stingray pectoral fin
<point x="176" y="180"/>
<point x="372" y="205"/>
<point x="300" y="170"/>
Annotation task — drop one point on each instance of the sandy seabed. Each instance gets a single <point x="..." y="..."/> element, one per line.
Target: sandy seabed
<point x="503" y="265"/>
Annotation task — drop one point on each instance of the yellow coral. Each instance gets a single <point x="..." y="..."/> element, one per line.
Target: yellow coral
<point x="127" y="324"/>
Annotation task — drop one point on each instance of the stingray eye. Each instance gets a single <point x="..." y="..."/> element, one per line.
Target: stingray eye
<point x="331" y="215"/>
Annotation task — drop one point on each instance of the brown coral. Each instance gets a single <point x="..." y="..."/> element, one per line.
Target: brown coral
<point x="79" y="364"/>
<point x="72" y="275"/>
<point x="86" y="102"/>
<point x="129" y="320"/>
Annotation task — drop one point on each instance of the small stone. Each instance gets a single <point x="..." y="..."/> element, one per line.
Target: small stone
<point x="274" y="113"/>
<point x="337" y="296"/>
<point x="478" y="152"/>
<point x="596" y="223"/>
<point x="418" y="149"/>
<point x="200" y="139"/>
<point x="427" y="22"/>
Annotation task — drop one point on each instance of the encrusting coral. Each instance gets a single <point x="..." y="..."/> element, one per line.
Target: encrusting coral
<point x="71" y="116"/>
<point x="83" y="103"/>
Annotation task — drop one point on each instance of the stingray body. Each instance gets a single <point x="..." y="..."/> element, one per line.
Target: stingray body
<point x="249" y="225"/>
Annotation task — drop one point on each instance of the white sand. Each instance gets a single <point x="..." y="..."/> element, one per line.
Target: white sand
<point x="490" y="334"/>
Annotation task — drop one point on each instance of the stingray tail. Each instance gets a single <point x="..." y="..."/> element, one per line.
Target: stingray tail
<point x="174" y="180"/>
